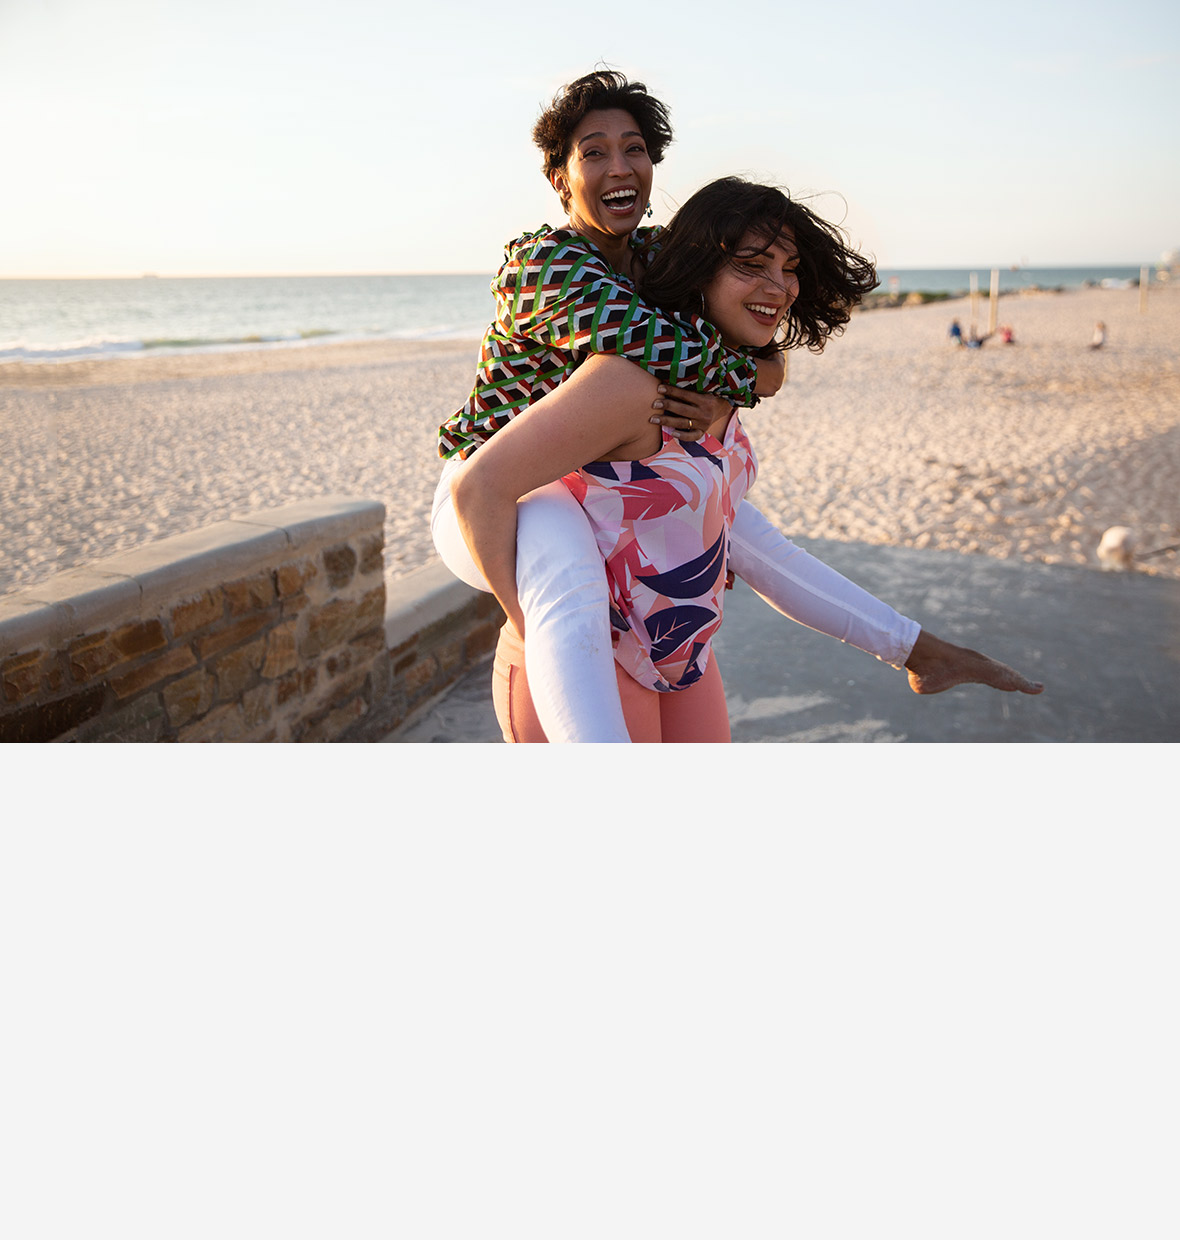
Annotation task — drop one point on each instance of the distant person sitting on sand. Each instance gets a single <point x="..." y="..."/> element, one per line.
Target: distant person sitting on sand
<point x="977" y="341"/>
<point x="539" y="555"/>
<point x="956" y="332"/>
<point x="1006" y="335"/>
<point x="1099" y="337"/>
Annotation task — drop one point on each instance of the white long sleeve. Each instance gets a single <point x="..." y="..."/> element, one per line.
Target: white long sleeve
<point x="806" y="590"/>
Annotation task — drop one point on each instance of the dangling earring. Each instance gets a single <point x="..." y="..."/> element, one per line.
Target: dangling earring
<point x="648" y="211"/>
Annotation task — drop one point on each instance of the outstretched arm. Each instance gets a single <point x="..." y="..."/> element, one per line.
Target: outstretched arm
<point x="806" y="590"/>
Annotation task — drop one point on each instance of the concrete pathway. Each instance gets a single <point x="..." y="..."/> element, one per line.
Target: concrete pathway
<point x="1106" y="645"/>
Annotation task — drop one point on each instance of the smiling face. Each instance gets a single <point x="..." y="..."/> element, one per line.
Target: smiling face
<point x="606" y="182"/>
<point x="753" y="291"/>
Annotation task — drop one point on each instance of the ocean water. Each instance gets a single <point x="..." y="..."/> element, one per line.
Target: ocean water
<point x="58" y="320"/>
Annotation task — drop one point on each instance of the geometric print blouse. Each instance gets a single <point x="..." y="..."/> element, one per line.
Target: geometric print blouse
<point x="557" y="300"/>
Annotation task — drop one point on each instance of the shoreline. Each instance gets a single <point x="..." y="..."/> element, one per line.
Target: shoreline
<point x="150" y="366"/>
<point x="892" y="436"/>
<point x="17" y="371"/>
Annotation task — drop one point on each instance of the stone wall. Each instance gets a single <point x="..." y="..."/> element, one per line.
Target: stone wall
<point x="436" y="628"/>
<point x="272" y="627"/>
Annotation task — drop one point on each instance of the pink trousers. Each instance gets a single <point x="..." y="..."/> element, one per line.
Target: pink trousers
<point x="691" y="716"/>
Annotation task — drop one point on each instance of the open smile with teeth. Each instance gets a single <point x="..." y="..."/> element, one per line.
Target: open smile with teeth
<point x="770" y="312"/>
<point x="621" y="201"/>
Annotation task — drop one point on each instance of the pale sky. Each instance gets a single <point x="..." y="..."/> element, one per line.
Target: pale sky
<point x="282" y="136"/>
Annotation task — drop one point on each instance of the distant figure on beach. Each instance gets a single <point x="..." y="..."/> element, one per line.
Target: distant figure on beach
<point x="1099" y="337"/>
<point x="1006" y="335"/>
<point x="955" y="332"/>
<point x="977" y="341"/>
<point x="505" y="515"/>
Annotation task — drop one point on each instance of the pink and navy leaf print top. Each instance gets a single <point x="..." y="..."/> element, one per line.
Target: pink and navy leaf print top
<point x="557" y="301"/>
<point x="662" y="525"/>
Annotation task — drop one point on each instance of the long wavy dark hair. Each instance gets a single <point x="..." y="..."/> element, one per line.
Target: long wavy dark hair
<point x="708" y="230"/>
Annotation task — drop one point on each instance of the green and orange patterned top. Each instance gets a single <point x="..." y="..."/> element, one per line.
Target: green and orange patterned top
<point x="558" y="300"/>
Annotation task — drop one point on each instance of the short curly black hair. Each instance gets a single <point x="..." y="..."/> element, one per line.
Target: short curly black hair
<point x="707" y="231"/>
<point x="605" y="88"/>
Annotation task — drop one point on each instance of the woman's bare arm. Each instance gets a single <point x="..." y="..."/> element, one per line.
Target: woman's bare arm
<point x="602" y="410"/>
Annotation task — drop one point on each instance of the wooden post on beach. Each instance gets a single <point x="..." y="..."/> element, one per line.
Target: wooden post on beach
<point x="974" y="300"/>
<point x="1143" y="278"/>
<point x="993" y="304"/>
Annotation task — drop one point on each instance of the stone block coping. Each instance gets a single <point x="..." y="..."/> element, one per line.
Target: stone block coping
<point x="422" y="598"/>
<point x="134" y="583"/>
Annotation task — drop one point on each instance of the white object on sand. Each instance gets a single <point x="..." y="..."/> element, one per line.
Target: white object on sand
<point x="1117" y="548"/>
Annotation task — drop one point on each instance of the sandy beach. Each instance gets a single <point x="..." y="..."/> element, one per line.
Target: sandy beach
<point x="892" y="436"/>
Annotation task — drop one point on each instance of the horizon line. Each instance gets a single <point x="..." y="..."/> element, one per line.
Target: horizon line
<point x="312" y="275"/>
<point x="231" y="275"/>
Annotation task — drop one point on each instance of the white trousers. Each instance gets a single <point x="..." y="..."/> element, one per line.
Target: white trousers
<point x="564" y="598"/>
